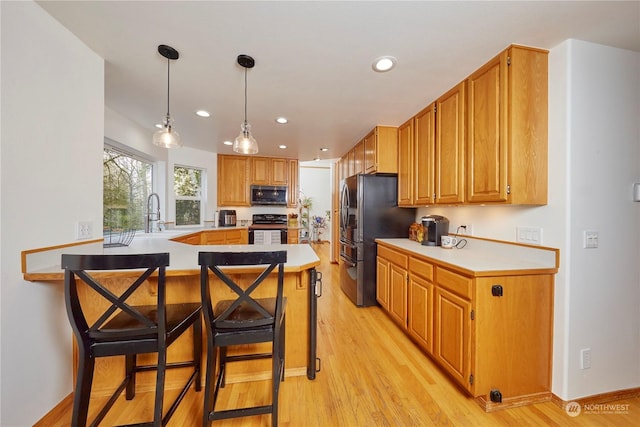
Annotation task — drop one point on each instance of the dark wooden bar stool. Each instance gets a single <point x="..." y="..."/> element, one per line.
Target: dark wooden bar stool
<point x="126" y="329"/>
<point x="245" y="320"/>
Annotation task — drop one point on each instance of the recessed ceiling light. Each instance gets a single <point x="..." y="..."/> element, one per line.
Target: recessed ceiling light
<point x="384" y="63"/>
<point x="324" y="149"/>
<point x="282" y="146"/>
<point x="159" y="125"/>
<point x="203" y="113"/>
<point x="228" y="143"/>
<point x="282" y="120"/>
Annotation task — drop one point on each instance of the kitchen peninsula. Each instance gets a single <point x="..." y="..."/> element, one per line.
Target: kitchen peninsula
<point x="183" y="285"/>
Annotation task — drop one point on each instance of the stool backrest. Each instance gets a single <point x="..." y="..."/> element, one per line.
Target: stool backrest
<point x="261" y="314"/>
<point x="79" y="266"/>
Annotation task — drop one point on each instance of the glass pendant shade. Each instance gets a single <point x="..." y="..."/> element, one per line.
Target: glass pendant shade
<point x="167" y="137"/>
<point x="245" y="143"/>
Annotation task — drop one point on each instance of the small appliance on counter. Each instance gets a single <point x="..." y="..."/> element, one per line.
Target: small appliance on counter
<point x="434" y="226"/>
<point x="227" y="218"/>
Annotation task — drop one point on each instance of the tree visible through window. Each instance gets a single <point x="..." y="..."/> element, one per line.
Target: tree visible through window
<point x="126" y="186"/>
<point x="187" y="186"/>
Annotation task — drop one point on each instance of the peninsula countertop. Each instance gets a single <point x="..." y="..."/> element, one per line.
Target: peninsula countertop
<point x="43" y="264"/>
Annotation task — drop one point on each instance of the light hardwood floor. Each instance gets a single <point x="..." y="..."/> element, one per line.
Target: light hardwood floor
<point x="371" y="375"/>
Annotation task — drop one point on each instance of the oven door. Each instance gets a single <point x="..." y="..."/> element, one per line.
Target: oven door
<point x="349" y="270"/>
<point x="267" y="236"/>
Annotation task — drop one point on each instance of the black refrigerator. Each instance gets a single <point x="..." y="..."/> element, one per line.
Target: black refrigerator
<point x="368" y="210"/>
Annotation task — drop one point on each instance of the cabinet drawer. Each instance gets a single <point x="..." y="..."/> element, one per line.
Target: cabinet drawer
<point x="454" y="282"/>
<point x="395" y="257"/>
<point x="421" y="268"/>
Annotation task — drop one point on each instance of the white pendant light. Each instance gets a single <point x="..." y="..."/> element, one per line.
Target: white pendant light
<point x="167" y="137"/>
<point x="245" y="143"/>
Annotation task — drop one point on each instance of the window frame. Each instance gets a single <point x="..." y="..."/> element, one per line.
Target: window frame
<point x="201" y="198"/>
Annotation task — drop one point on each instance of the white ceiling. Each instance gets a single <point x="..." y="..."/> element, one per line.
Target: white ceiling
<point x="313" y="59"/>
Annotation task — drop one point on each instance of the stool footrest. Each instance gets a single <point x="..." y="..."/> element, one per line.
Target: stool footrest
<point x="241" y="412"/>
<point x="241" y="357"/>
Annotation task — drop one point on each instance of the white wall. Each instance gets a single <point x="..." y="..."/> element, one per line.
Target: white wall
<point x="51" y="153"/>
<point x="316" y="182"/>
<point x="594" y="158"/>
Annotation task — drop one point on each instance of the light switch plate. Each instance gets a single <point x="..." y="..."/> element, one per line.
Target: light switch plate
<point x="590" y="239"/>
<point x="84" y="230"/>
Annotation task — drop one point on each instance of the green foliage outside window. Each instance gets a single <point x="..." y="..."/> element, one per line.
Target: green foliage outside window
<point x="187" y="185"/>
<point x="126" y="186"/>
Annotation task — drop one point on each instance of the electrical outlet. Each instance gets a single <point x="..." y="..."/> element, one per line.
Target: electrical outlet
<point x="529" y="235"/>
<point x="466" y="229"/>
<point x="84" y="230"/>
<point x="585" y="358"/>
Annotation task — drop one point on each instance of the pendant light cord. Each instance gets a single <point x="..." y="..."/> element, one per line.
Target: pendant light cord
<point x="168" y="94"/>
<point x="245" y="95"/>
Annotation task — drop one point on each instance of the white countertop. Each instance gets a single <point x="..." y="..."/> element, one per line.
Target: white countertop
<point x="182" y="256"/>
<point x="482" y="257"/>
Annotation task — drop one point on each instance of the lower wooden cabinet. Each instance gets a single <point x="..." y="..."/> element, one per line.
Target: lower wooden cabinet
<point x="382" y="285"/>
<point x="239" y="236"/>
<point x="492" y="335"/>
<point x="420" y="326"/>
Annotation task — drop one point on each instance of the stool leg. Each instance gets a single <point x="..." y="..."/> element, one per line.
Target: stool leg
<point x="160" y="377"/>
<point x="209" y="383"/>
<point x="82" y="390"/>
<point x="197" y="352"/>
<point x="130" y="361"/>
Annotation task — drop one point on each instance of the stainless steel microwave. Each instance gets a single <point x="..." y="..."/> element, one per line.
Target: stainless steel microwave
<point x="268" y="195"/>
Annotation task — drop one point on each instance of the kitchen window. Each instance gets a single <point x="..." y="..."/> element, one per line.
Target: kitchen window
<point x="127" y="182"/>
<point x="187" y="186"/>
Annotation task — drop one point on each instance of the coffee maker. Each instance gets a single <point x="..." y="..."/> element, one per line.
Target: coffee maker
<point x="434" y="226"/>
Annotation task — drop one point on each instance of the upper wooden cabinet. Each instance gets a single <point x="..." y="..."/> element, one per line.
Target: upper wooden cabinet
<point x="416" y="159"/>
<point x="484" y="141"/>
<point x="450" y="145"/>
<point x="375" y="153"/>
<point x="233" y="180"/>
<point x="269" y="171"/>
<point x="381" y="150"/>
<point x="237" y="173"/>
<point x="507" y="139"/>
<point x="293" y="183"/>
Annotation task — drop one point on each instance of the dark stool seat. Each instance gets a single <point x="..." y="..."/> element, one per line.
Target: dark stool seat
<point x="244" y="320"/>
<point x="127" y="330"/>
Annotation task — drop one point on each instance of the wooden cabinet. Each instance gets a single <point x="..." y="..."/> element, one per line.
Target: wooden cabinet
<point x="381" y="150"/>
<point x="423" y="154"/>
<point x="487" y="332"/>
<point x="452" y="324"/>
<point x="420" y="325"/>
<point x="507" y="140"/>
<point x="233" y="180"/>
<point x="358" y="158"/>
<point x="450" y="146"/>
<point x="382" y="282"/>
<point x="406" y="164"/>
<point x="294" y="183"/>
<point x="236" y="174"/>
<point x="393" y="284"/>
<point x="269" y="171"/>
<point x="236" y="236"/>
<point x="292" y="236"/>
<point x="484" y="141"/>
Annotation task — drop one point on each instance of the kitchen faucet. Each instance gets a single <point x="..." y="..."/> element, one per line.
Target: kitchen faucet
<point x="150" y="216"/>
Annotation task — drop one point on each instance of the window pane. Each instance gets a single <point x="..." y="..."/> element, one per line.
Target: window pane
<point x="187" y="212"/>
<point x="187" y="181"/>
<point x="126" y="186"/>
